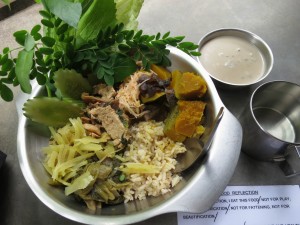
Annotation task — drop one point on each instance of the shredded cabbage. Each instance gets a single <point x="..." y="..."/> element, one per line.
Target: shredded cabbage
<point x="79" y="183"/>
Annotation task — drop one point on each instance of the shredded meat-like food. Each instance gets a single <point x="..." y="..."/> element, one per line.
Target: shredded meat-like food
<point x="128" y="95"/>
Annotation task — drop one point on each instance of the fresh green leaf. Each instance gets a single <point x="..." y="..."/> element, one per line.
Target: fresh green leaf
<point x="47" y="23"/>
<point x="41" y="79"/>
<point x="69" y="12"/>
<point x="62" y="29"/>
<point x="109" y="79"/>
<point x="3" y="73"/>
<point x="20" y="36"/>
<point x="7" y="2"/>
<point x="57" y="22"/>
<point x="45" y="14"/>
<point x="71" y="84"/>
<point x="50" y="111"/>
<point x="6" y="81"/>
<point x="37" y="36"/>
<point x="29" y="42"/>
<point x="35" y="29"/>
<point x="48" y="41"/>
<point x="7" y="66"/>
<point x="46" y="51"/>
<point x="123" y="67"/>
<point x="6" y="93"/>
<point x="90" y="24"/>
<point x="5" y="50"/>
<point x="127" y="12"/>
<point x="23" y="67"/>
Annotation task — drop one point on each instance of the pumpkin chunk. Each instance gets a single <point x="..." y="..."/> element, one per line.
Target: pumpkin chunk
<point x="184" y="120"/>
<point x="189" y="86"/>
<point x="169" y="128"/>
<point x="189" y="117"/>
<point x="161" y="72"/>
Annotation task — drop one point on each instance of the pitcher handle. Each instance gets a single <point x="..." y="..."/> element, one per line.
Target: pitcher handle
<point x="290" y="162"/>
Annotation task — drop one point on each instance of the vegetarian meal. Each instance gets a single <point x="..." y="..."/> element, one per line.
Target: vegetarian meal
<point x="124" y="142"/>
<point x="118" y="117"/>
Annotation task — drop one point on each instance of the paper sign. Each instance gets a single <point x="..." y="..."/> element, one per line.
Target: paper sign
<point x="251" y="205"/>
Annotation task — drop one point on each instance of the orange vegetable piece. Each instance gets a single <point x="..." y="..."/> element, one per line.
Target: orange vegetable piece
<point x="189" y="86"/>
<point x="189" y="117"/>
<point x="169" y="128"/>
<point x="161" y="72"/>
<point x="176" y="76"/>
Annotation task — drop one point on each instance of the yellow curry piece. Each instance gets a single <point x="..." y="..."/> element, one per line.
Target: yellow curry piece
<point x="189" y="117"/>
<point x="184" y="120"/>
<point x="188" y="85"/>
<point x="161" y="72"/>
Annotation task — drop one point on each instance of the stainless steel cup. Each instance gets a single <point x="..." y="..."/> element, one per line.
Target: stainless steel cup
<point x="271" y="124"/>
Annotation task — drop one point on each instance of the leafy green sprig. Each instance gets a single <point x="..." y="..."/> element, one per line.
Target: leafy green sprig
<point x="110" y="57"/>
<point x="39" y="56"/>
<point x="113" y="54"/>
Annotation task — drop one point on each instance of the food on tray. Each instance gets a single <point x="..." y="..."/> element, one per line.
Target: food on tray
<point x="122" y="148"/>
<point x="109" y="99"/>
<point x="188" y="85"/>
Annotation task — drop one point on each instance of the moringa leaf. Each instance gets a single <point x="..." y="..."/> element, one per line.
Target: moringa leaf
<point x="23" y="67"/>
<point x="20" y="36"/>
<point x="6" y="93"/>
<point x="48" y="41"/>
<point x="123" y="67"/>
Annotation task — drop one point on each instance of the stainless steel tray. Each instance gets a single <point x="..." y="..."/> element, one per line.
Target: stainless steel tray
<point x="201" y="186"/>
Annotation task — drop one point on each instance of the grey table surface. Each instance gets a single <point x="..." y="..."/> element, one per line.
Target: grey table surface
<point x="277" y="22"/>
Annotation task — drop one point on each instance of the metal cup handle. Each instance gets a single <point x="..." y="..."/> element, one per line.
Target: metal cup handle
<point x="290" y="161"/>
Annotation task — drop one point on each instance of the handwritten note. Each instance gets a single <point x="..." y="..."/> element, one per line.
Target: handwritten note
<point x="251" y="205"/>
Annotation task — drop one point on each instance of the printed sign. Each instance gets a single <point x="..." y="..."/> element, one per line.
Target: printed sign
<point x="251" y="205"/>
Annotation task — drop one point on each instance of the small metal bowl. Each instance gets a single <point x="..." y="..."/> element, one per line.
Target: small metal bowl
<point x="243" y="35"/>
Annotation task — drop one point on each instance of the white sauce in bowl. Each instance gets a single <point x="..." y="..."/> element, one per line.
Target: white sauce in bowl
<point x="233" y="60"/>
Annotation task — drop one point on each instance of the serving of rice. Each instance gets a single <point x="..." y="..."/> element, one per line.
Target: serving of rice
<point x="149" y="146"/>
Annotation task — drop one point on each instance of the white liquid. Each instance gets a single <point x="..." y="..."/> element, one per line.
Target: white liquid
<point x="233" y="60"/>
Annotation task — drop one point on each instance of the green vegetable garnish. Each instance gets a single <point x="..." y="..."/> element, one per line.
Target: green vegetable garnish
<point x="95" y="38"/>
<point x="122" y="177"/>
<point x="71" y="84"/>
<point x="51" y="111"/>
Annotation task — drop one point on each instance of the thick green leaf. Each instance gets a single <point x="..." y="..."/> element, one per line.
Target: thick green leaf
<point x="29" y="42"/>
<point x="100" y="15"/>
<point x="51" y="111"/>
<point x="71" y="84"/>
<point x="23" y="67"/>
<point x="127" y="12"/>
<point x="69" y="12"/>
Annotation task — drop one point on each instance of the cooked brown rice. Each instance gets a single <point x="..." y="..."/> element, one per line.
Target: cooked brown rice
<point x="151" y="147"/>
